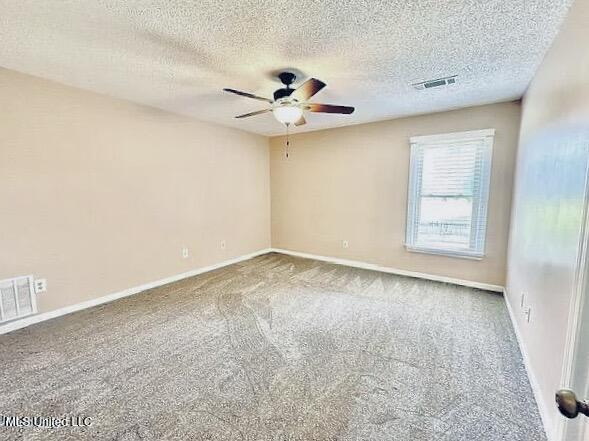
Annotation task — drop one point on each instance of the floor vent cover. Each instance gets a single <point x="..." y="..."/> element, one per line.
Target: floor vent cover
<point x="17" y="298"/>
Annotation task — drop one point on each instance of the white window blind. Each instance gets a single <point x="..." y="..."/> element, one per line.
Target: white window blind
<point x="448" y="193"/>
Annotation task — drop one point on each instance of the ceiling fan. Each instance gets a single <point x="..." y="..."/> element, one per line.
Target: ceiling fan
<point x="288" y="104"/>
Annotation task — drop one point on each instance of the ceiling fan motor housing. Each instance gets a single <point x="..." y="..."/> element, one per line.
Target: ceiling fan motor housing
<point x="281" y="93"/>
<point x="287" y="78"/>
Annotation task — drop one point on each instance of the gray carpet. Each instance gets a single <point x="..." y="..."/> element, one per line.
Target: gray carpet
<point x="277" y="348"/>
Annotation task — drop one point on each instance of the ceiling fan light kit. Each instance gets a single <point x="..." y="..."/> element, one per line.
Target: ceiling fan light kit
<point x="287" y="111"/>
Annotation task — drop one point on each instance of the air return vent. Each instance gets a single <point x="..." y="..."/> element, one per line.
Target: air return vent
<point x="438" y="82"/>
<point x="17" y="298"/>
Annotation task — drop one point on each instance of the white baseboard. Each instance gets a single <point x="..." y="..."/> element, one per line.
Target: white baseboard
<point x="544" y="414"/>
<point x="386" y="269"/>
<point x="37" y="318"/>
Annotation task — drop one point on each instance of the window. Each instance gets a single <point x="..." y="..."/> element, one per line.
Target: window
<point x="448" y="193"/>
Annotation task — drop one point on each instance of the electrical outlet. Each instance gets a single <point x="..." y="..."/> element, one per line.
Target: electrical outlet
<point x="345" y="244"/>
<point x="223" y="245"/>
<point x="527" y="313"/>
<point x="40" y="285"/>
<point x="185" y="253"/>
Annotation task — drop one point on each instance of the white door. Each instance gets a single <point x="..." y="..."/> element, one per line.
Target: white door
<point x="576" y="363"/>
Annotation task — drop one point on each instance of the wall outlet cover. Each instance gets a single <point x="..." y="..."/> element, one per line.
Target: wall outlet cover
<point x="527" y="313"/>
<point x="40" y="285"/>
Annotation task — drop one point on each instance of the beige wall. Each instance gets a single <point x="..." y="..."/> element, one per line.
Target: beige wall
<point x="98" y="195"/>
<point x="351" y="184"/>
<point x="548" y="204"/>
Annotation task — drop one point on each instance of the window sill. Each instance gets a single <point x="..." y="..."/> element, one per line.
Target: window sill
<point x="445" y="253"/>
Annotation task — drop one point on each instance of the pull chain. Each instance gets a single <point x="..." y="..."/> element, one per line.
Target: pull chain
<point x="287" y="141"/>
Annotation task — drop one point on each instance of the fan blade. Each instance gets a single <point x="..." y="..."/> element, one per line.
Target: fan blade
<point x="301" y="121"/>
<point x="257" y="112"/>
<point x="248" y="95"/>
<point x="329" y="108"/>
<point x="307" y="89"/>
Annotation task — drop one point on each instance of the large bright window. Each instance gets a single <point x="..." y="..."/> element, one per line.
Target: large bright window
<point x="448" y="193"/>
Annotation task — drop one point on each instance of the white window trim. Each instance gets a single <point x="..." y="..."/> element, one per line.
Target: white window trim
<point x="448" y="138"/>
<point x="486" y="136"/>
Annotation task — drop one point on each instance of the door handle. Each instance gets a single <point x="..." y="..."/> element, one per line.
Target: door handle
<point x="568" y="404"/>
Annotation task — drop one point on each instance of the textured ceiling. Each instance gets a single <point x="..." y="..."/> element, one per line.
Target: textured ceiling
<point x="178" y="54"/>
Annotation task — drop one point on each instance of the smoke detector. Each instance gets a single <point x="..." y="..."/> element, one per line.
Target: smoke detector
<point x="438" y="82"/>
